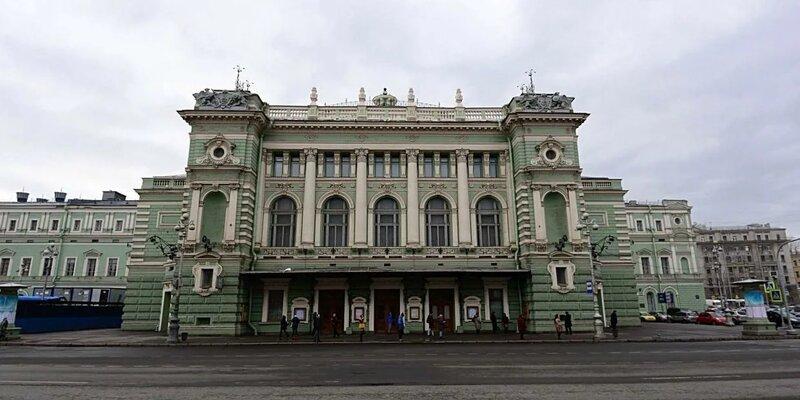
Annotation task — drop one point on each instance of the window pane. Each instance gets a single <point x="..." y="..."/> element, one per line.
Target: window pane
<point x="329" y="165"/>
<point x="345" y="166"/>
<point x="427" y="168"/>
<point x="494" y="166"/>
<point x="274" y="305"/>
<point x="277" y="165"/>
<point x="444" y="166"/>
<point x="379" y="166"/>
<point x="395" y="169"/>
<point x="477" y="166"/>
<point x="294" y="169"/>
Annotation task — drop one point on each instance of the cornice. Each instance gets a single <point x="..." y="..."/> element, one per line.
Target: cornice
<point x="574" y="119"/>
<point x="404" y="126"/>
<point x="221" y="115"/>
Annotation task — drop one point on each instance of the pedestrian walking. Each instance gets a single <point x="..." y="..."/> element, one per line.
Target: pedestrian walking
<point x="477" y="322"/>
<point x="522" y="326"/>
<point x="389" y="322"/>
<point x="295" y="325"/>
<point x="362" y="327"/>
<point x="504" y="321"/>
<point x="431" y="322"/>
<point x="317" y="328"/>
<point x="335" y="325"/>
<point x="558" y="325"/>
<point x="284" y="327"/>
<point x="401" y="326"/>
<point x="493" y="318"/>
<point x="568" y="323"/>
<point x="442" y="325"/>
<point x="614" y="321"/>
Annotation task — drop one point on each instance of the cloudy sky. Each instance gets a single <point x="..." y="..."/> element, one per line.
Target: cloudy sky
<point x="695" y="101"/>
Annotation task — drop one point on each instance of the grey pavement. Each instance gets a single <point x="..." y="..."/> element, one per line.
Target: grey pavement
<point x="116" y="337"/>
<point x="620" y="371"/>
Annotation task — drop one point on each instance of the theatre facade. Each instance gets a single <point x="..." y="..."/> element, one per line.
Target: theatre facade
<point x="378" y="206"/>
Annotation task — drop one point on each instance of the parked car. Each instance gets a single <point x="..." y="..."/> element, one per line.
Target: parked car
<point x="647" y="317"/>
<point x="660" y="317"/>
<point x="707" y="318"/>
<point x="682" y="316"/>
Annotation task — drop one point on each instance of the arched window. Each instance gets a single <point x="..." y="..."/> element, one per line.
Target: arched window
<point x="651" y="301"/>
<point x="487" y="214"/>
<point x="283" y="222"/>
<point x="214" y="209"/>
<point x="555" y="216"/>
<point x="334" y="220"/>
<point x="672" y="296"/>
<point x="685" y="265"/>
<point x="387" y="223"/>
<point x="437" y="222"/>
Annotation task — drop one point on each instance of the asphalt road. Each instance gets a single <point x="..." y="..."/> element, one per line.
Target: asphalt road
<point x="746" y="370"/>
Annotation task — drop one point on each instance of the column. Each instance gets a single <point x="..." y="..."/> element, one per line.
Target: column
<point x="194" y="212"/>
<point x="258" y="210"/>
<point x="230" y="214"/>
<point x="309" y="198"/>
<point x="464" y="237"/>
<point x="538" y="214"/>
<point x="412" y="201"/>
<point x="573" y="219"/>
<point x="361" y="198"/>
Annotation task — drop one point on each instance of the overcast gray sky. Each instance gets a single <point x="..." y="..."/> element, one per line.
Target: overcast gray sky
<point x="695" y="101"/>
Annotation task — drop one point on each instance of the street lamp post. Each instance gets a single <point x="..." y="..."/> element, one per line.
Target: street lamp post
<point x="586" y="226"/>
<point x="171" y="250"/>
<point x="718" y="254"/>
<point x="49" y="252"/>
<point x="789" y="329"/>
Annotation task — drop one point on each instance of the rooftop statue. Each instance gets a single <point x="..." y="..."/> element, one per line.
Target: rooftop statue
<point x="540" y="102"/>
<point x="384" y="99"/>
<point x="214" y="99"/>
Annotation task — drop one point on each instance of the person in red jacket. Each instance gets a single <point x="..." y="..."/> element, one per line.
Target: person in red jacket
<point x="522" y="326"/>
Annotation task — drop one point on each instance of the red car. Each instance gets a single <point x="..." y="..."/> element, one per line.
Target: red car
<point x="708" y="318"/>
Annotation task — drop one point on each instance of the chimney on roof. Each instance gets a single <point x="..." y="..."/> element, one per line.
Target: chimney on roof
<point x="22" y="197"/>
<point x="112" y="195"/>
<point x="60" y="197"/>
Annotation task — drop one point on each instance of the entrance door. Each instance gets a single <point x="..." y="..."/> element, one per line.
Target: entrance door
<point x="386" y="301"/>
<point x="441" y="301"/>
<point x="330" y="302"/>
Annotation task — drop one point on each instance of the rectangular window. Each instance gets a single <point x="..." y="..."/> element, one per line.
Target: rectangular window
<point x="561" y="276"/>
<point x="646" y="266"/>
<point x="111" y="268"/>
<point x="118" y="224"/>
<point x="69" y="266"/>
<point x="783" y="258"/>
<point x="25" y="267"/>
<point x="329" y="166"/>
<point x="639" y="225"/>
<point x="758" y="237"/>
<point x="76" y="225"/>
<point x="395" y="166"/>
<point x="5" y="265"/>
<point x="379" y="166"/>
<point x="274" y="305"/>
<point x="444" y="166"/>
<point x="724" y="238"/>
<point x="34" y="224"/>
<point x="12" y="225"/>
<point x="277" y="165"/>
<point x="345" y="168"/>
<point x="496" y="302"/>
<point x="664" y="265"/>
<point x="477" y="166"/>
<point x="427" y="166"/>
<point x="294" y="166"/>
<point x="206" y="278"/>
<point x="91" y="266"/>
<point x="749" y="258"/>
<point x="98" y="225"/>
<point x="659" y="226"/>
<point x="47" y="266"/>
<point x="494" y="165"/>
<point x="54" y="225"/>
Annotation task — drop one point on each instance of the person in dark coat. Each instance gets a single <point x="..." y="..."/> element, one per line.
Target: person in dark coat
<point x="568" y="323"/>
<point x="335" y="325"/>
<point x="401" y="326"/>
<point x="295" y="325"/>
<point x="614" y="321"/>
<point x="522" y="326"/>
<point x="504" y="321"/>
<point x="493" y="318"/>
<point x="442" y="325"/>
<point x="389" y="322"/>
<point x="317" y="327"/>
<point x="284" y="327"/>
<point x="431" y="322"/>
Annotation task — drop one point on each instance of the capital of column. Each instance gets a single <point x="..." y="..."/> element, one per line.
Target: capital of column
<point x="361" y="155"/>
<point x="310" y="152"/>
<point x="412" y="153"/>
<point x="461" y="155"/>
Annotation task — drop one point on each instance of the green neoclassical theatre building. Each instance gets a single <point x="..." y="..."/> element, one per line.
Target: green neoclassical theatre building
<point x="380" y="206"/>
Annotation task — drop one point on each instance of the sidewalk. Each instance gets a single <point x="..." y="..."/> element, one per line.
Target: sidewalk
<point x="649" y="332"/>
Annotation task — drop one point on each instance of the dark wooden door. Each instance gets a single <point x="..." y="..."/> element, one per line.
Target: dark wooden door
<point x="330" y="302"/>
<point x="441" y="302"/>
<point x="386" y="300"/>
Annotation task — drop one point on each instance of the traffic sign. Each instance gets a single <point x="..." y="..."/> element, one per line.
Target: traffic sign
<point x="589" y="287"/>
<point x="662" y="298"/>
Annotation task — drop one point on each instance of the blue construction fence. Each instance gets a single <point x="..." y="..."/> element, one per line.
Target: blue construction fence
<point x="37" y="314"/>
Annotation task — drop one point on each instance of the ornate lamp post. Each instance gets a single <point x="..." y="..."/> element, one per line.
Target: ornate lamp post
<point x="49" y="252"/>
<point x="586" y="226"/>
<point x="718" y="254"/>
<point x="171" y="250"/>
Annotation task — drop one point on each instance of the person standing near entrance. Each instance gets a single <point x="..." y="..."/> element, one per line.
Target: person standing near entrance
<point x="504" y="321"/>
<point x="442" y="325"/>
<point x="401" y="326"/>
<point x="317" y="327"/>
<point x="568" y="322"/>
<point x="522" y="326"/>
<point x="284" y="326"/>
<point x="477" y="322"/>
<point x="558" y="325"/>
<point x="335" y="325"/>
<point x="362" y="327"/>
<point x="295" y="325"/>
<point x="431" y="322"/>
<point x="389" y="322"/>
<point x="493" y="318"/>
<point x="614" y="321"/>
